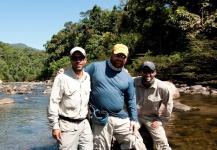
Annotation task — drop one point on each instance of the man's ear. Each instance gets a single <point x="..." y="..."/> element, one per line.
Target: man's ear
<point x="155" y="72"/>
<point x="111" y="54"/>
<point x="85" y="60"/>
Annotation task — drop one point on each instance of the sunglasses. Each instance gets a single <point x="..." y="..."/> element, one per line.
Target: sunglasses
<point x="77" y="58"/>
<point x="147" y="71"/>
<point x="120" y="56"/>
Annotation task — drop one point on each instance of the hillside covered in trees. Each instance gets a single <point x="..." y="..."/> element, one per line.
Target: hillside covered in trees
<point x="179" y="36"/>
<point x="21" y="64"/>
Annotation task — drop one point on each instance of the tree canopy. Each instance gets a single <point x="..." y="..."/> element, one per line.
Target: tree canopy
<point x="179" y="36"/>
<point x="21" y="64"/>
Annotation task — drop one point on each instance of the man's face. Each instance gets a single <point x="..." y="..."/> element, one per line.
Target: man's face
<point x="118" y="60"/>
<point x="78" y="60"/>
<point x="147" y="74"/>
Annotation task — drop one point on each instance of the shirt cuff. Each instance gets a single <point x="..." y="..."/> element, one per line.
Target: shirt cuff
<point x="56" y="126"/>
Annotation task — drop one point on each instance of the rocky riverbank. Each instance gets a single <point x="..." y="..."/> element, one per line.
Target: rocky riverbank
<point x="28" y="88"/>
<point x="176" y="89"/>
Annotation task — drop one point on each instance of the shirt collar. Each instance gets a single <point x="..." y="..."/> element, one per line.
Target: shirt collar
<point x="75" y="75"/>
<point x="114" y="68"/>
<point x="152" y="86"/>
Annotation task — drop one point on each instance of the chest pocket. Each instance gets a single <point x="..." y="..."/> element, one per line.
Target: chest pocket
<point x="70" y="89"/>
<point x="155" y="101"/>
<point x="71" y="95"/>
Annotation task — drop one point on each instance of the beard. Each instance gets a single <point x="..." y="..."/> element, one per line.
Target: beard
<point x="117" y="63"/>
<point x="77" y="68"/>
<point x="147" y="82"/>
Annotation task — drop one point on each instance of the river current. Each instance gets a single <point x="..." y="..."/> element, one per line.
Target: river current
<point x="24" y="124"/>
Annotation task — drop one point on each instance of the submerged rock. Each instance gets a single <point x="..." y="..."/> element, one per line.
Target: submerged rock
<point x="6" y="101"/>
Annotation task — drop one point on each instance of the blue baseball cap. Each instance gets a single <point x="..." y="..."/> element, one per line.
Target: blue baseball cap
<point x="149" y="64"/>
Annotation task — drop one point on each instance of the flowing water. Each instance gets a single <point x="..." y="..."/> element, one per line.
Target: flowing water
<point x="24" y="124"/>
<point x="195" y="130"/>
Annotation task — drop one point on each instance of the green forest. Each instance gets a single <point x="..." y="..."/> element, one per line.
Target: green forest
<point x="180" y="36"/>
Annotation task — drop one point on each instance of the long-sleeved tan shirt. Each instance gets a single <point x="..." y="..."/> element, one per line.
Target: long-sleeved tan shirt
<point x="69" y="97"/>
<point x="154" y="103"/>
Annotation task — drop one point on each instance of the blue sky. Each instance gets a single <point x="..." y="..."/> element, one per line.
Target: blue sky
<point x="34" y="22"/>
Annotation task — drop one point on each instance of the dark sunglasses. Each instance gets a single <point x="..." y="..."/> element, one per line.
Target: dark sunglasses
<point x="147" y="71"/>
<point x="77" y="58"/>
<point x="120" y="56"/>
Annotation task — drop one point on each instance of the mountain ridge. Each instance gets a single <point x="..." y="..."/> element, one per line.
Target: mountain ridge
<point x="21" y="46"/>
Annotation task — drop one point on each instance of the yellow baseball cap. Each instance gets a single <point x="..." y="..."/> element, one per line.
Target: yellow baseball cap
<point x="120" y="48"/>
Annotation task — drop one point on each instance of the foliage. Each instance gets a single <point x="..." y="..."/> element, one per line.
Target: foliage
<point x="179" y="36"/>
<point x="21" y="64"/>
<point x="186" y="67"/>
<point x="61" y="63"/>
<point x="170" y="33"/>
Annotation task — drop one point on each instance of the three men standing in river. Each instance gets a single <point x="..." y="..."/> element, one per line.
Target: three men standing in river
<point x="109" y="77"/>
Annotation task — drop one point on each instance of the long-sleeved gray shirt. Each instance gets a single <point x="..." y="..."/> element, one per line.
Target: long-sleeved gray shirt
<point x="69" y="97"/>
<point x="154" y="102"/>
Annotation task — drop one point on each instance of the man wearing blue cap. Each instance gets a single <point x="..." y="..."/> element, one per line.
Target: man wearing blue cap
<point x="154" y="102"/>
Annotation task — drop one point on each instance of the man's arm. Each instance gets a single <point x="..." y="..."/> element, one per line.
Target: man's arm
<point x="167" y="103"/>
<point x="53" y="107"/>
<point x="130" y="100"/>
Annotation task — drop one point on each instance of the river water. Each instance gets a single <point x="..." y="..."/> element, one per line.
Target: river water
<point x="195" y="130"/>
<point x="24" y="124"/>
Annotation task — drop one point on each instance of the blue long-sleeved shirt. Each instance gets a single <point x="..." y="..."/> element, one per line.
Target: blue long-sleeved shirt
<point x="111" y="89"/>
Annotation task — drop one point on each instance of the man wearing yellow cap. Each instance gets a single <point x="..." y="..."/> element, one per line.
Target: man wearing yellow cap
<point x="112" y="88"/>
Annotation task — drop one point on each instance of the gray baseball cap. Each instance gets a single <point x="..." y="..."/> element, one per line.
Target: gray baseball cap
<point x="149" y="64"/>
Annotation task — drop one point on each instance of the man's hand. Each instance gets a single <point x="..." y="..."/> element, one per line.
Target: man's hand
<point x="57" y="134"/>
<point x="61" y="70"/>
<point x="134" y="126"/>
<point x="156" y="124"/>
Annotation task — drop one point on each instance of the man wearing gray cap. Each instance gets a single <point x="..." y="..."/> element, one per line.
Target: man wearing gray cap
<point x="154" y="103"/>
<point x="68" y="107"/>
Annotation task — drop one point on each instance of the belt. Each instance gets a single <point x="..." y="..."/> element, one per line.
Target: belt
<point x="70" y="120"/>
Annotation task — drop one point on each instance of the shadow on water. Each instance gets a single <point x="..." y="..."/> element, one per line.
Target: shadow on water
<point x="50" y="147"/>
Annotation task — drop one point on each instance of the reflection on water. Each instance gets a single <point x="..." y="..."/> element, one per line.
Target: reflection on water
<point x="196" y="130"/>
<point x="24" y="125"/>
